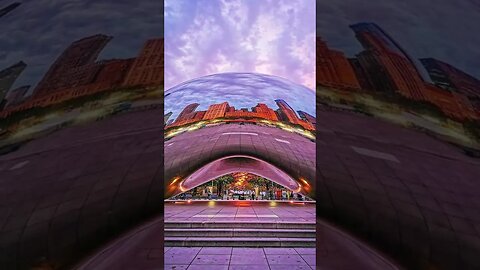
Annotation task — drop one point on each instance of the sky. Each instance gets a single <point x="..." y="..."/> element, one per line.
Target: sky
<point x="442" y="29"/>
<point x="274" y="37"/>
<point x="236" y="38"/>
<point x="38" y="31"/>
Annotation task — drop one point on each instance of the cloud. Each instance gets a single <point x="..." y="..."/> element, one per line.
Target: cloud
<point x="206" y="37"/>
<point x="38" y="31"/>
<point x="440" y="29"/>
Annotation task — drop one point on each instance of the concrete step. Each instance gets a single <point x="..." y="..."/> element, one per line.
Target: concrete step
<point x="239" y="232"/>
<point x="242" y="224"/>
<point x="238" y="242"/>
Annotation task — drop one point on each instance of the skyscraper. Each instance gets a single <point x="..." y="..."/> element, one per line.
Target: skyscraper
<point x="361" y="74"/>
<point x="286" y="112"/>
<point x="187" y="112"/>
<point x="76" y="66"/>
<point x="8" y="77"/>
<point x="112" y="73"/>
<point x="16" y="96"/>
<point x="147" y="69"/>
<point x="450" y="102"/>
<point x="307" y="117"/>
<point x="389" y="67"/>
<point x="449" y="77"/>
<point x="216" y="111"/>
<point x="364" y="31"/>
<point x="264" y="111"/>
<point x="166" y="117"/>
<point x="333" y="68"/>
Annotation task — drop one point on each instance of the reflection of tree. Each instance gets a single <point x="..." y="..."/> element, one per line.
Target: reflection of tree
<point x="223" y="181"/>
<point x="259" y="181"/>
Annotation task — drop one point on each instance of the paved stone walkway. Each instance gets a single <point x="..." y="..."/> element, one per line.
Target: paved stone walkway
<point x="226" y="258"/>
<point x="142" y="248"/>
<point x="240" y="211"/>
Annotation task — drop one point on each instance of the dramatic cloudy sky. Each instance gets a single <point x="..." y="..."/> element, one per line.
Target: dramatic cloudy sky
<point x="39" y="30"/>
<point x="274" y="37"/>
<point x="446" y="30"/>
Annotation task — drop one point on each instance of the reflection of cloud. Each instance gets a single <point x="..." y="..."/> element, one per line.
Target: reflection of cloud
<point x="440" y="29"/>
<point x="242" y="90"/>
<point x="38" y="31"/>
<point x="206" y="37"/>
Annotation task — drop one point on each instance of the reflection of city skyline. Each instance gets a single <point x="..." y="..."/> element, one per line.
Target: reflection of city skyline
<point x="383" y="66"/>
<point x="77" y="72"/>
<point x="284" y="113"/>
<point x="43" y="29"/>
<point x="413" y="24"/>
<point x="240" y="89"/>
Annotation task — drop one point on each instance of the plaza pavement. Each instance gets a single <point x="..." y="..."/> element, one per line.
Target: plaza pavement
<point x="63" y="194"/>
<point x="404" y="192"/>
<point x="407" y="193"/>
<point x="141" y="248"/>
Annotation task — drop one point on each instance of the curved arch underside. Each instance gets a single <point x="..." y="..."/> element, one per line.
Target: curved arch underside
<point x="239" y="163"/>
<point x="290" y="154"/>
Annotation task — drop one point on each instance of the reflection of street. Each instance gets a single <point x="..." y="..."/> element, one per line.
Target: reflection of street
<point x="89" y="111"/>
<point x="424" y="120"/>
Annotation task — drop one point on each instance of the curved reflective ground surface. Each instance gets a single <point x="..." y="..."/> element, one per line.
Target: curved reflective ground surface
<point x="293" y="154"/>
<point x="384" y="184"/>
<point x="141" y="247"/>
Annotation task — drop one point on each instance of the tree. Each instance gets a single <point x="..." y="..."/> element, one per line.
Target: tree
<point x="223" y="181"/>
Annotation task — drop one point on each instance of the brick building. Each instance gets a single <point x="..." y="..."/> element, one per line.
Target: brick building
<point x="333" y="68"/>
<point x="75" y="67"/>
<point x="388" y="66"/>
<point x="147" y="69"/>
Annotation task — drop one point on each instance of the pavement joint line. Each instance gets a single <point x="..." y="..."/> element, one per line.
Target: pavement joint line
<point x="374" y="153"/>
<point x="283" y="141"/>
<point x="239" y="133"/>
<point x="403" y="146"/>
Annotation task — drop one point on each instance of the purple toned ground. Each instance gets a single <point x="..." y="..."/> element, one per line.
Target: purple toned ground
<point x="404" y="192"/>
<point x="63" y="194"/>
<point x="141" y="248"/>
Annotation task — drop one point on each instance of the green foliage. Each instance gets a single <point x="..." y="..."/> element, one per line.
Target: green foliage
<point x="259" y="181"/>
